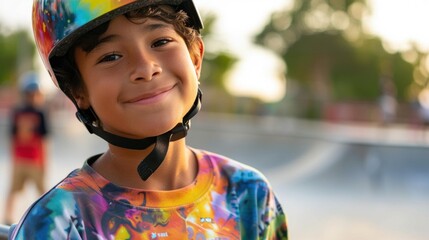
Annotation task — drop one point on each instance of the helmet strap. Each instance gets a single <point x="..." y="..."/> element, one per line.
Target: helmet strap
<point x="157" y="156"/>
<point x="149" y="164"/>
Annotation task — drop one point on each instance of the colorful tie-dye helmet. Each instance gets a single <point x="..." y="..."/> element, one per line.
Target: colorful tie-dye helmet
<point x="58" y="23"/>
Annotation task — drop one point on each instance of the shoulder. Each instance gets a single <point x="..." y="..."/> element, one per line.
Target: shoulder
<point x="58" y="200"/>
<point x="236" y="172"/>
<point x="53" y="214"/>
<point x="16" y="110"/>
<point x="250" y="195"/>
<point x="23" y="109"/>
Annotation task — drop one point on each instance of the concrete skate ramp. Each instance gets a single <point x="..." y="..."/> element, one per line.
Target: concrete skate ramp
<point x="335" y="181"/>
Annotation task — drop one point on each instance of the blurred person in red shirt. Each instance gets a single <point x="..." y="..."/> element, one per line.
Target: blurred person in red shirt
<point x="28" y="132"/>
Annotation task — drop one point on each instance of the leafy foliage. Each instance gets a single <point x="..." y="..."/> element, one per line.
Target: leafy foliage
<point x="329" y="55"/>
<point x="216" y="62"/>
<point x="17" y="53"/>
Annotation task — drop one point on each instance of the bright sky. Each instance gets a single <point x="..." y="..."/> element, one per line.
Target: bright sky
<point x="397" y="21"/>
<point x="400" y="22"/>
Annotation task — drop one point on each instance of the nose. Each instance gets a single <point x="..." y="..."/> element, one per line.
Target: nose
<point x="145" y="66"/>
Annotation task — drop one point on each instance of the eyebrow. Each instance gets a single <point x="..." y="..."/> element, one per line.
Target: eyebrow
<point x="156" y="25"/>
<point x="89" y="48"/>
<point x="107" y="38"/>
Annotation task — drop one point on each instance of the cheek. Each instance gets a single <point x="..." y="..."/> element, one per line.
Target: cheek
<point x="103" y="95"/>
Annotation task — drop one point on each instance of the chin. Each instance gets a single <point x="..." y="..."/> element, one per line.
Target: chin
<point x="159" y="127"/>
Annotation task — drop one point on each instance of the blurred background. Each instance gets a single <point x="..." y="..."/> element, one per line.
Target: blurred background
<point x="328" y="98"/>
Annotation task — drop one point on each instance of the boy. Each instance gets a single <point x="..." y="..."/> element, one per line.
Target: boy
<point x="132" y="68"/>
<point x="28" y="133"/>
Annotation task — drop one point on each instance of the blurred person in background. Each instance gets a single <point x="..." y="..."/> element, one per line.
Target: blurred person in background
<point x="28" y="132"/>
<point x="387" y="101"/>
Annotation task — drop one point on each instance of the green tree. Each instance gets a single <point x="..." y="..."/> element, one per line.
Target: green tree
<point x="216" y="64"/>
<point x="329" y="55"/>
<point x="17" y="54"/>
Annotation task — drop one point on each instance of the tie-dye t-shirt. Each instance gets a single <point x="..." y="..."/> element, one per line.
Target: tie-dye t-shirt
<point x="227" y="200"/>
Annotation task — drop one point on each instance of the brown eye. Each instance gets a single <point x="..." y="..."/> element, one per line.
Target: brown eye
<point x="161" y="42"/>
<point x="110" y="58"/>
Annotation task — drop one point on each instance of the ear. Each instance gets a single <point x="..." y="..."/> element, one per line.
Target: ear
<point x="82" y="100"/>
<point x="198" y="56"/>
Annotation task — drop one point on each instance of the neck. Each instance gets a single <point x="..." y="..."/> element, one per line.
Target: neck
<point x="119" y="165"/>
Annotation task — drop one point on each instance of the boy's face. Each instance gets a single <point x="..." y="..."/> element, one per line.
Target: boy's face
<point x="140" y="79"/>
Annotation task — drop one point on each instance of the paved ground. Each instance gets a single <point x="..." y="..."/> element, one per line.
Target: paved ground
<point x="335" y="181"/>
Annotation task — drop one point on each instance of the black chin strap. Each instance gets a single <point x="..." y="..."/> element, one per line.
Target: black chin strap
<point x="156" y="157"/>
<point x="148" y="165"/>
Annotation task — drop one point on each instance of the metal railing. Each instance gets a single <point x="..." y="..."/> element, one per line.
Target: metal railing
<point x="4" y="230"/>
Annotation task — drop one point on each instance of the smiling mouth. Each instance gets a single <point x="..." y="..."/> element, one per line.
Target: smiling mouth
<point x="151" y="97"/>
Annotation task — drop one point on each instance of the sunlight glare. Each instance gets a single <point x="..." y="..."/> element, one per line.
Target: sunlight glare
<point x="260" y="74"/>
<point x="400" y="22"/>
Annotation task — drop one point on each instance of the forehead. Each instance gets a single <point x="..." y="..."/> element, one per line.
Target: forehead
<point x="161" y="14"/>
<point x="125" y="29"/>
